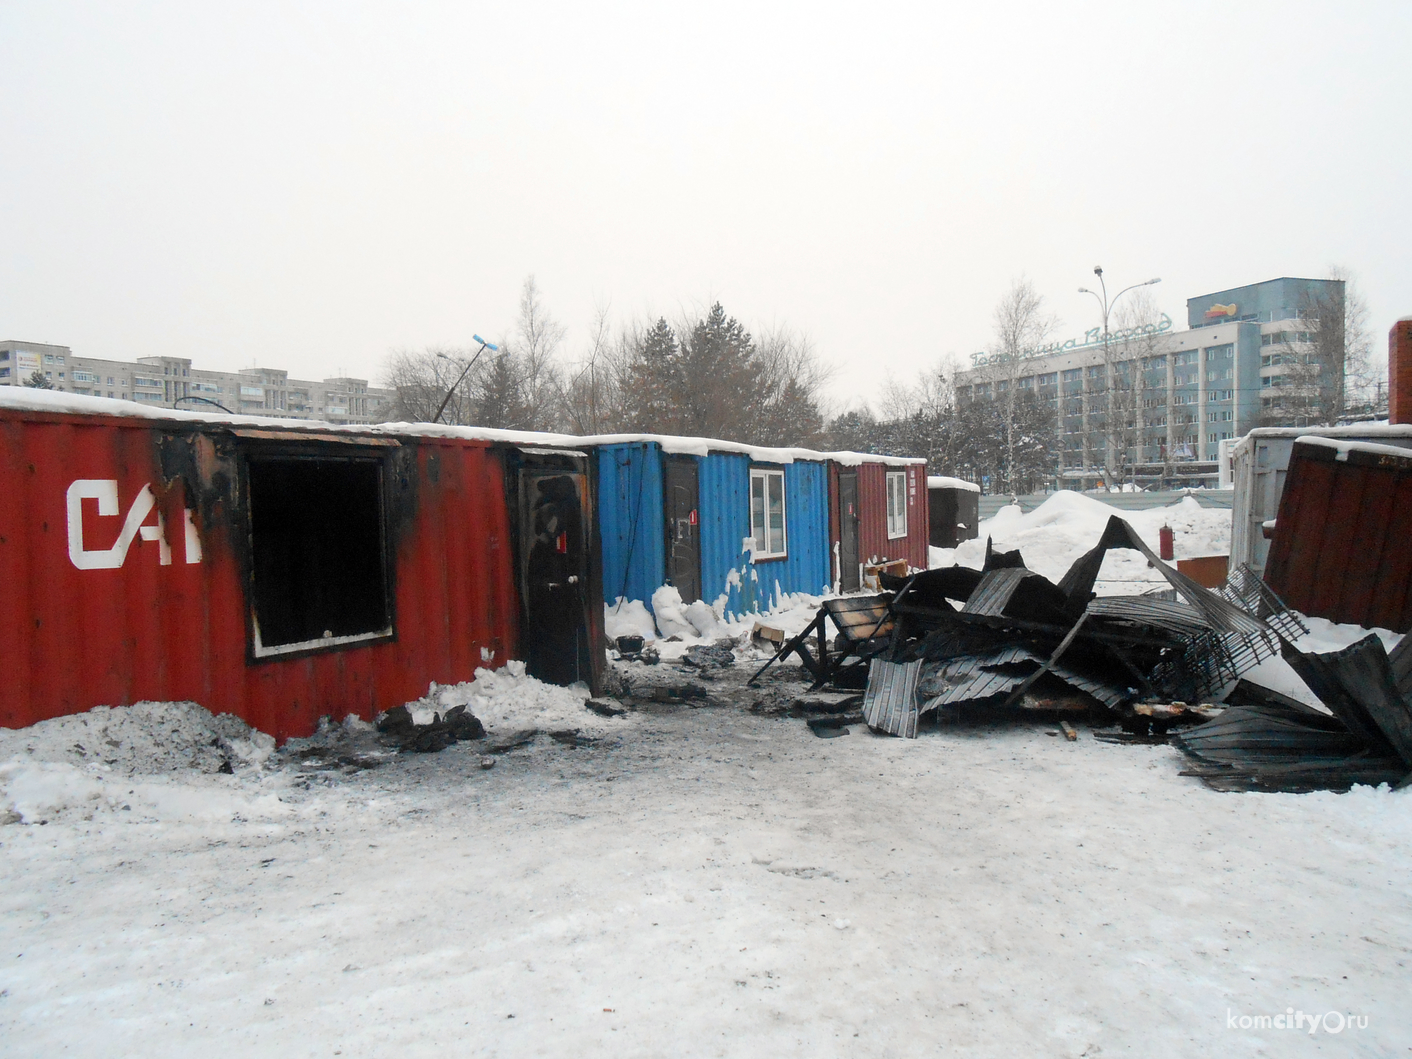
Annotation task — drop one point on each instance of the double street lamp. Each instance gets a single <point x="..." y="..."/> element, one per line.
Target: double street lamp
<point x="1106" y="304"/>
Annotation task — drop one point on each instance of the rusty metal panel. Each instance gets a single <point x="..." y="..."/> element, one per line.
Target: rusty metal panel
<point x="124" y="569"/>
<point x="1208" y="571"/>
<point x="1340" y="549"/>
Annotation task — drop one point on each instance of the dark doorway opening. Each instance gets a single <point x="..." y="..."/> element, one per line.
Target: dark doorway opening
<point x="681" y="496"/>
<point x="849" y="573"/>
<point x="554" y="576"/>
<point x="318" y="571"/>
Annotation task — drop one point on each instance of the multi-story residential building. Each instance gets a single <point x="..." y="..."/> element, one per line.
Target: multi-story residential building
<point x="172" y="382"/>
<point x="1153" y="404"/>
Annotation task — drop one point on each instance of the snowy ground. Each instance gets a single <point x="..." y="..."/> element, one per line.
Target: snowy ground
<point x="698" y="881"/>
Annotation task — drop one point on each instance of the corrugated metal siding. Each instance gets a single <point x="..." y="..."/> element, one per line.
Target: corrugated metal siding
<point x="873" y="542"/>
<point x="1341" y="547"/>
<point x="725" y="524"/>
<point x="630" y="520"/>
<point x="724" y="483"/>
<point x="72" y="639"/>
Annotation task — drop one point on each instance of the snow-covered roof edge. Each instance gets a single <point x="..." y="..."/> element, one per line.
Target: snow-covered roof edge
<point x="28" y="399"/>
<point x="940" y="481"/>
<point x="1376" y="429"/>
<point x="1343" y="447"/>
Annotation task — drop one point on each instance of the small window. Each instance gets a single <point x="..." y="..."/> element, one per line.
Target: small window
<point x="767" y="513"/>
<point x="318" y="571"/>
<point x="896" y="504"/>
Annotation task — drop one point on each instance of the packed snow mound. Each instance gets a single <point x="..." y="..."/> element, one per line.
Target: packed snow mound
<point x="152" y="738"/>
<point x="703" y="619"/>
<point x="1052" y="536"/>
<point x="628" y="617"/>
<point x="671" y="614"/>
<point x="508" y="700"/>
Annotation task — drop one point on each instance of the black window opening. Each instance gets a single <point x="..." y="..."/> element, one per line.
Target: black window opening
<point x="318" y="555"/>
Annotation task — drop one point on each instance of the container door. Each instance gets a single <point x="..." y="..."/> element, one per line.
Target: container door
<point x="554" y="575"/>
<point x="848" y="574"/>
<point x="681" y="497"/>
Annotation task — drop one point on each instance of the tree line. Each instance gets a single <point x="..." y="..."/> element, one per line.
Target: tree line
<point x="702" y="376"/>
<point x="706" y="375"/>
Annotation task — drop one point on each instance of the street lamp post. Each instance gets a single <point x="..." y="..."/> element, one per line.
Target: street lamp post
<point x="1106" y="304"/>
<point x="484" y="345"/>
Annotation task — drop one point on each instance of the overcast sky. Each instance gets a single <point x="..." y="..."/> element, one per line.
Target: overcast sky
<point x="309" y="186"/>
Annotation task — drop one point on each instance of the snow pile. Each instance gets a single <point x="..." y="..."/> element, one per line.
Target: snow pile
<point x="91" y="762"/>
<point x="1068" y="524"/>
<point x="149" y="738"/>
<point x="696" y="620"/>
<point x="508" y="699"/>
<point x="671" y="614"/>
<point x="628" y="617"/>
<point x="704" y="620"/>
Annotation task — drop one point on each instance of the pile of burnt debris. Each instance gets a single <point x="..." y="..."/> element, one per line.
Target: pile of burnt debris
<point x="457" y="725"/>
<point x="960" y="642"/>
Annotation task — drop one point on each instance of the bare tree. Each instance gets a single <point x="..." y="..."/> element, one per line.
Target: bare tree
<point x="1129" y="384"/>
<point x="592" y="395"/>
<point x="533" y="349"/>
<point x="1021" y="326"/>
<point x="1327" y="362"/>
<point x="421" y="379"/>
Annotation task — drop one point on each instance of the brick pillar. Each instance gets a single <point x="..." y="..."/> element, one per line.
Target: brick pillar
<point x="1399" y="372"/>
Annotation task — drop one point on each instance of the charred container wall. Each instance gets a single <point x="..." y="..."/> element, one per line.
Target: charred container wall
<point x="278" y="575"/>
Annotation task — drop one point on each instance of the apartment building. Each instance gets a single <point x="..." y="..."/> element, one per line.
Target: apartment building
<point x="1153" y="404"/>
<point x="172" y="382"/>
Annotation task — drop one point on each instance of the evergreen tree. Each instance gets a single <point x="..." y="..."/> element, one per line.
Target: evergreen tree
<point x="501" y="402"/>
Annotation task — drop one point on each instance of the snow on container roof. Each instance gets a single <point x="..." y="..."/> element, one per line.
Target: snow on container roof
<point x="940" y="481"/>
<point x="1343" y="448"/>
<point x="1380" y="428"/>
<point x="36" y="400"/>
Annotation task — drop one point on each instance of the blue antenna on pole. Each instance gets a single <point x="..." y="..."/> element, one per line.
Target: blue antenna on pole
<point x="484" y="345"/>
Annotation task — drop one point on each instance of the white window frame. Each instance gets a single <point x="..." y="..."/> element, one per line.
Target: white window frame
<point x="758" y="534"/>
<point x="896" y="504"/>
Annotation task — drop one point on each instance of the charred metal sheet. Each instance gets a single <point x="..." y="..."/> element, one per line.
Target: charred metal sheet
<point x="995" y="560"/>
<point x="1109" y="693"/>
<point x="1019" y="593"/>
<point x="977" y="677"/>
<point x="1173" y="616"/>
<point x="1322" y="676"/>
<point x="1220" y="613"/>
<point x="933" y="588"/>
<point x="1401" y="662"/>
<point x="1275" y="743"/>
<point x="1360" y="676"/>
<point x="890" y="703"/>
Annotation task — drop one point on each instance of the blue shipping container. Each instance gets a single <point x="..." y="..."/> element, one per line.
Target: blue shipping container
<point x="633" y="526"/>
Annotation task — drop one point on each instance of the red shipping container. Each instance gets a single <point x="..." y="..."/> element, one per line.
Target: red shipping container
<point x="859" y="531"/>
<point x="276" y="573"/>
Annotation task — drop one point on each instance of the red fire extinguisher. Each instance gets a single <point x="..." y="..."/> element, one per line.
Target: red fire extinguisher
<point x="1165" y="539"/>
